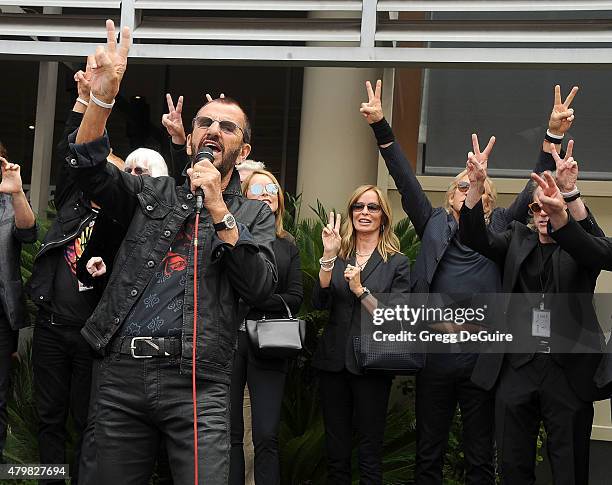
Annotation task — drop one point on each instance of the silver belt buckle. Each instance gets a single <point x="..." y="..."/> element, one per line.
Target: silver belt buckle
<point x="148" y="340"/>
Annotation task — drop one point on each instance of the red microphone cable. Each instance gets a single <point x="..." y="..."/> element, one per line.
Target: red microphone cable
<point x="193" y="346"/>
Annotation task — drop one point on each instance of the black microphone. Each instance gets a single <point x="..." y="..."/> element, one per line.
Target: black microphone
<point x="205" y="153"/>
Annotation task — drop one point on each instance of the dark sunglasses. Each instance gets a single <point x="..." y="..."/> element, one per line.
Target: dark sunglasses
<point x="535" y="208"/>
<point x="463" y="186"/>
<point x="225" y="126"/>
<point x="372" y="207"/>
<point x="136" y="170"/>
<point x="259" y="189"/>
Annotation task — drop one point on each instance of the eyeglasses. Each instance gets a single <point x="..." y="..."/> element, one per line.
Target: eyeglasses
<point x="463" y="186"/>
<point x="136" y="170"/>
<point x="259" y="189"/>
<point x="372" y="207"/>
<point x="535" y="207"/>
<point x="225" y="126"/>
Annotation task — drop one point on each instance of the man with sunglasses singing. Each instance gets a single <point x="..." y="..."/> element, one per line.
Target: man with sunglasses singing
<point x="446" y="267"/>
<point x="173" y="294"/>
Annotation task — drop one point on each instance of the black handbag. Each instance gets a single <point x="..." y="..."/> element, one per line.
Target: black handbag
<point x="276" y="338"/>
<point x="399" y="358"/>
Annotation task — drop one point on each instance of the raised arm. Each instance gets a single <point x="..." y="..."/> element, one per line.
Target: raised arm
<point x="101" y="181"/>
<point x="559" y="122"/>
<point x="590" y="250"/>
<point x="173" y="122"/>
<point x="414" y="201"/>
<point x="473" y="231"/>
<point x="65" y="184"/>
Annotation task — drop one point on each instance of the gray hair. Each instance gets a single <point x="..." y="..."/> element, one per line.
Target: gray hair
<point x="153" y="160"/>
<point x="251" y="165"/>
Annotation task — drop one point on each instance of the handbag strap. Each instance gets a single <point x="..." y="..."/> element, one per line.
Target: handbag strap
<point x="286" y="306"/>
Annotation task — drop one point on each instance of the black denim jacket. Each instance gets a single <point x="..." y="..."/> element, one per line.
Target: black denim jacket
<point x="154" y="210"/>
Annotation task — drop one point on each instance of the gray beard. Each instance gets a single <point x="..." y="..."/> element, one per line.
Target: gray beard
<point x="228" y="160"/>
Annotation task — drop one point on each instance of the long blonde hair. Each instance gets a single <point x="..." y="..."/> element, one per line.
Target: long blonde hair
<point x="490" y="191"/>
<point x="278" y="215"/>
<point x="388" y="242"/>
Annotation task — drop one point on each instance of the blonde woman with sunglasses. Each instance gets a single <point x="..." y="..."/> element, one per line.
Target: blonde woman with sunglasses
<point x="361" y="257"/>
<point x="265" y="377"/>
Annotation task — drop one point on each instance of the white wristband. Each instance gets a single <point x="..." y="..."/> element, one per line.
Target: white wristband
<point x="102" y="104"/>
<point x="571" y="193"/>
<point x="552" y="135"/>
<point x="82" y="101"/>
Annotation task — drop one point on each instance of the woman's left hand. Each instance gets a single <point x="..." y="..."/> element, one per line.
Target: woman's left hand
<point x="352" y="274"/>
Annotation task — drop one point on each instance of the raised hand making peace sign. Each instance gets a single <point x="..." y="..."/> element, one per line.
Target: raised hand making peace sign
<point x="331" y="236"/>
<point x="567" y="169"/>
<point x="372" y="110"/>
<point x="209" y="98"/>
<point x="550" y="198"/>
<point x="562" y="115"/>
<point x="109" y="64"/>
<point x="481" y="157"/>
<point x="173" y="120"/>
<point x="83" y="79"/>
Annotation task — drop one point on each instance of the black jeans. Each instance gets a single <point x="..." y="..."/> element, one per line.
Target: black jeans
<point x="8" y="345"/>
<point x="441" y="384"/>
<point x="88" y="468"/>
<point x="62" y="362"/>
<point x="141" y="400"/>
<point x="266" y="391"/>
<point x="539" y="391"/>
<point x="353" y="402"/>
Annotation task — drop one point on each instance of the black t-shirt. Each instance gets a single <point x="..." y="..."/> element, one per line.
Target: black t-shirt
<point x="159" y="311"/>
<point x="463" y="270"/>
<point x="71" y="299"/>
<point x="534" y="279"/>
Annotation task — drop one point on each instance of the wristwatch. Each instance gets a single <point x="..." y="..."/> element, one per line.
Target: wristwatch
<point x="365" y="293"/>
<point x="228" y="222"/>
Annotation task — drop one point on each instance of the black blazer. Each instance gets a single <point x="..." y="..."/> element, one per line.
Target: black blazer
<point x="578" y="322"/>
<point x="335" y="349"/>
<point x="595" y="253"/>
<point x="289" y="287"/>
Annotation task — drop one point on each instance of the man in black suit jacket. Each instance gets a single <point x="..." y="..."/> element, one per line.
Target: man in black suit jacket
<point x="552" y="379"/>
<point x="591" y="251"/>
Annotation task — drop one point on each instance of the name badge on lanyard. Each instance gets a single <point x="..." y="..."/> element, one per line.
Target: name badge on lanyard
<point x="540" y="322"/>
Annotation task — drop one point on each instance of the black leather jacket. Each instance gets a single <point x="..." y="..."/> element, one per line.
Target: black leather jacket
<point x="11" y="289"/>
<point x="154" y="210"/>
<point x="73" y="213"/>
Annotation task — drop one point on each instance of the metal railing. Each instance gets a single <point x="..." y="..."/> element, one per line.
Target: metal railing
<point x="311" y="32"/>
